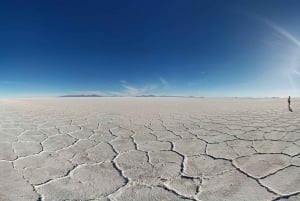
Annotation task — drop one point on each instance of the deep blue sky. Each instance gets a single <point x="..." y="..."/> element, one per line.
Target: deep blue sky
<point x="169" y="47"/>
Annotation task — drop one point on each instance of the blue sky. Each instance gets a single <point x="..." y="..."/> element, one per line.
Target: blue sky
<point x="170" y="47"/>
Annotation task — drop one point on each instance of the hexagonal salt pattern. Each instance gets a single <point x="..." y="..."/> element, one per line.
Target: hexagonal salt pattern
<point x="118" y="149"/>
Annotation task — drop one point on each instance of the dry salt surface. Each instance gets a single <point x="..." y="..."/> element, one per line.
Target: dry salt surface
<point x="149" y="149"/>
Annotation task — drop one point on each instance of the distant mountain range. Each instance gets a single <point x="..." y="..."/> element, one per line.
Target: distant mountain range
<point x="151" y="95"/>
<point x="80" y="95"/>
<point x="95" y="96"/>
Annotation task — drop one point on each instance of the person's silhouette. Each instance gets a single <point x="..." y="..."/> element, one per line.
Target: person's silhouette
<point x="289" y="102"/>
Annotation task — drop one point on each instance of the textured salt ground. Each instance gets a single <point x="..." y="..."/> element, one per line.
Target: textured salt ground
<point x="149" y="149"/>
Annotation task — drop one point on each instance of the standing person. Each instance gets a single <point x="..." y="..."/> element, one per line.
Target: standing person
<point x="289" y="102"/>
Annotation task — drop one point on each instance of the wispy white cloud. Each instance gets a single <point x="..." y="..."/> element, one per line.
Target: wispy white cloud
<point x="283" y="32"/>
<point x="278" y="29"/>
<point x="123" y="81"/>
<point x="290" y="67"/>
<point x="132" y="90"/>
<point x="164" y="82"/>
<point x="128" y="89"/>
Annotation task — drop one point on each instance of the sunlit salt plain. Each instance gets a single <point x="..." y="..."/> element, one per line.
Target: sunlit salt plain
<point x="149" y="149"/>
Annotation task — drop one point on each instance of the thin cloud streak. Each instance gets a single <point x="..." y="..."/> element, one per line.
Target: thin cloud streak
<point x="294" y="60"/>
<point x="131" y="90"/>
<point x="164" y="82"/>
<point x="280" y="30"/>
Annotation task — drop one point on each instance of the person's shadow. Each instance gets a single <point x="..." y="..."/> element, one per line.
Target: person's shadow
<point x="290" y="109"/>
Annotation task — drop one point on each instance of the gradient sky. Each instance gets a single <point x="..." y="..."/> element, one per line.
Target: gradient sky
<point x="163" y="47"/>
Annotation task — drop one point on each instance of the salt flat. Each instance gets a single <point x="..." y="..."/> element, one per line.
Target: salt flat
<point x="149" y="149"/>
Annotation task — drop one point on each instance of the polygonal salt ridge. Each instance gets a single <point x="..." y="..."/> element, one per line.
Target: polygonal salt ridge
<point x="296" y="160"/>
<point x="241" y="147"/>
<point x="190" y="125"/>
<point x="280" y="125"/>
<point x="262" y="165"/>
<point x="136" y="167"/>
<point x="233" y="132"/>
<point x="52" y="123"/>
<point x="121" y="132"/>
<point x="68" y="129"/>
<point x="32" y="135"/>
<point x="27" y="125"/>
<point x="189" y="148"/>
<point x="140" y="128"/>
<point x="185" y="134"/>
<point x="258" y="124"/>
<point x="225" y="130"/>
<point x="275" y="135"/>
<point x="84" y="133"/>
<point x="204" y="132"/>
<point x="249" y="128"/>
<point x="139" y="118"/>
<point x="231" y="149"/>
<point x="272" y="129"/>
<point x="167" y="164"/>
<point x="294" y="197"/>
<point x="102" y="136"/>
<point x="285" y="181"/>
<point x="184" y="185"/>
<point x="26" y="148"/>
<point x="213" y="126"/>
<point x="174" y="126"/>
<point x="234" y="127"/>
<point x="7" y="125"/>
<point x="78" y="147"/>
<point x="268" y="146"/>
<point x="77" y="121"/>
<point x="11" y="131"/>
<point x="6" y="137"/>
<point x="297" y="142"/>
<point x="45" y="125"/>
<point x="95" y="154"/>
<point x="86" y="182"/>
<point x="147" y="193"/>
<point x="216" y="138"/>
<point x="206" y="123"/>
<point x="91" y="125"/>
<point x="13" y="186"/>
<point x="124" y="120"/>
<point x="251" y="135"/>
<point x="291" y="136"/>
<point x="153" y="145"/>
<point x="157" y="127"/>
<point x="7" y="152"/>
<point x="105" y="125"/>
<point x="240" y="124"/>
<point x="57" y="142"/>
<point x="292" y="128"/>
<point x="123" y="144"/>
<point x="49" y="131"/>
<point x="165" y="135"/>
<point x="205" y="166"/>
<point x="43" y="167"/>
